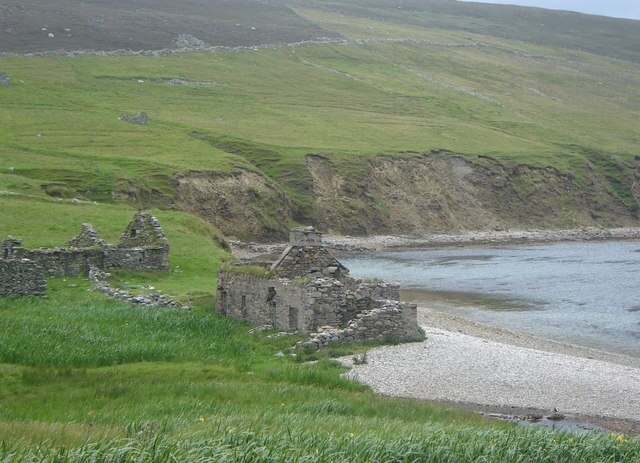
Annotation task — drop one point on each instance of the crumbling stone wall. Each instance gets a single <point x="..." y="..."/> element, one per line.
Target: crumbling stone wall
<point x="21" y="277"/>
<point x="393" y="320"/>
<point x="151" y="259"/>
<point x="143" y="230"/>
<point x="87" y="238"/>
<point x="143" y="246"/>
<point x="308" y="262"/>
<point x="308" y="305"/>
<point x="308" y="289"/>
<point x="61" y="262"/>
<point x="264" y="301"/>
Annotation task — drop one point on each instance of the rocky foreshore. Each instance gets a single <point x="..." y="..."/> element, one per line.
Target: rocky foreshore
<point x="433" y="240"/>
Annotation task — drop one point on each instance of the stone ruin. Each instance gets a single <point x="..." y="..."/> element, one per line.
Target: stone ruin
<point x="143" y="246"/>
<point x="308" y="290"/>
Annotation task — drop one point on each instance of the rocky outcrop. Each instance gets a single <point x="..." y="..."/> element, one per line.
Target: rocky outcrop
<point x="141" y="118"/>
<point x="5" y="80"/>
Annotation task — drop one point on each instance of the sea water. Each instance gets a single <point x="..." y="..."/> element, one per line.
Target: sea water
<point x="583" y="293"/>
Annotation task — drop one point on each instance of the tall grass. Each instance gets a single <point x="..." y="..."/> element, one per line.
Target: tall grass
<point x="430" y="443"/>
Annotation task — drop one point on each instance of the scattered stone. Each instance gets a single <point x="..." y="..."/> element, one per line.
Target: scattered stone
<point x="189" y="41"/>
<point x="5" y="80"/>
<point x="141" y="118"/>
<point x="152" y="300"/>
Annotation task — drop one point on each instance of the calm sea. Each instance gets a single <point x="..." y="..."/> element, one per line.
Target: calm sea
<point x="582" y="293"/>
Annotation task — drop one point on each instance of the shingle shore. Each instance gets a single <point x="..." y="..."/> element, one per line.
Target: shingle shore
<point x="465" y="362"/>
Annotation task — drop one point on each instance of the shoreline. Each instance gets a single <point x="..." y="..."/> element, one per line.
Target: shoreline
<point x="346" y="243"/>
<point x="490" y="370"/>
<point x="507" y="375"/>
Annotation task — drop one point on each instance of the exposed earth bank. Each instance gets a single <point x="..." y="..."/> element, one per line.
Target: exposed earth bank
<point x="434" y="192"/>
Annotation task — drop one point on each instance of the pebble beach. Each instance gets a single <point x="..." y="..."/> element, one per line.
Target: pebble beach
<point x="487" y="368"/>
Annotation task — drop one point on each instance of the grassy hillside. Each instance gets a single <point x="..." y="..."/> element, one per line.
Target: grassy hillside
<point x="83" y="378"/>
<point x="433" y="116"/>
<point x="614" y="38"/>
<point x="233" y="136"/>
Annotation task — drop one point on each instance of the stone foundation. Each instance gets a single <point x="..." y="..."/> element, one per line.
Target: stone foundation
<point x="143" y="246"/>
<point x="21" y="277"/>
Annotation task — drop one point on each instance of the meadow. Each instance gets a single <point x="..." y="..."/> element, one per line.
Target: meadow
<point x="84" y="378"/>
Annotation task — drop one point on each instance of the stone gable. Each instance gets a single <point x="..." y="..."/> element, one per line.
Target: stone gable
<point x="307" y="289"/>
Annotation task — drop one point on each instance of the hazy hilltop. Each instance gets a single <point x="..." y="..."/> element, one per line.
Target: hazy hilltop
<point x="154" y="24"/>
<point x="146" y="24"/>
<point x="357" y="117"/>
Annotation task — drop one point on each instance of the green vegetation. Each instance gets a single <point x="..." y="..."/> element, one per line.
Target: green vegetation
<point x="84" y="378"/>
<point x="263" y="110"/>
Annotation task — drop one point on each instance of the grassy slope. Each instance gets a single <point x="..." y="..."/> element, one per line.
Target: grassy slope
<point x="194" y="257"/>
<point x="78" y="369"/>
<point x="574" y="31"/>
<point x="522" y="104"/>
<point x="90" y="378"/>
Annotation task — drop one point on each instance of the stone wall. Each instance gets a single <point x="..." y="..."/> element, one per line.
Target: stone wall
<point x="143" y="247"/>
<point x="307" y="262"/>
<point x="21" y="277"/>
<point x="308" y="305"/>
<point x="140" y="259"/>
<point x="308" y="289"/>
<point x="263" y="301"/>
<point x="392" y="321"/>
<point x="61" y="262"/>
<point x="144" y="230"/>
<point x="87" y="238"/>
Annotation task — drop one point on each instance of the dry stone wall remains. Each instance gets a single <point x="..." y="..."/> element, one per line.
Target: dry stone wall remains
<point x="307" y="290"/>
<point x="142" y="247"/>
<point x="21" y="277"/>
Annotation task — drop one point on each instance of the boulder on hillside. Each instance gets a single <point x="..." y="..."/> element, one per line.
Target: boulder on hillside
<point x="189" y="41"/>
<point x="140" y="118"/>
<point x="5" y="80"/>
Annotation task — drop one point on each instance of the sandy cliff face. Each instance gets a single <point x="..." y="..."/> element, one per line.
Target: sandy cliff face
<point x="245" y="204"/>
<point x="441" y="192"/>
<point x="435" y="192"/>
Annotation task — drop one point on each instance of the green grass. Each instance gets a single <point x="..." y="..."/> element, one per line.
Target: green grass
<point x="197" y="248"/>
<point x="84" y="378"/>
<point x="353" y="104"/>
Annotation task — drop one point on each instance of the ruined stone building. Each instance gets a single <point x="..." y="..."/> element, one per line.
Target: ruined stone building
<point x="143" y="246"/>
<point x="308" y="290"/>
